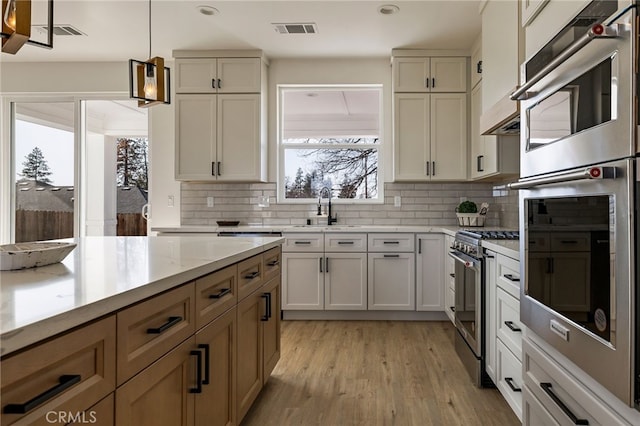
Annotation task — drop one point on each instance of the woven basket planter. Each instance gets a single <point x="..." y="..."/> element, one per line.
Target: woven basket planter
<point x="470" y="219"/>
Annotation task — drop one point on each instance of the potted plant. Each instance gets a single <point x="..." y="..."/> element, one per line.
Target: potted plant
<point x="467" y="213"/>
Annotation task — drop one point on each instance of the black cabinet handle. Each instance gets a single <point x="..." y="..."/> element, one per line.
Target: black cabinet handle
<point x="220" y="294"/>
<point x="391" y="242"/>
<point x="568" y="241"/>
<point x="419" y="245"/>
<point x="427" y="170"/>
<point x="273" y="263"/>
<point x="213" y="83"/>
<point x="207" y="366"/>
<point x="433" y="85"/>
<point x="198" y="355"/>
<point x="391" y="255"/>
<point x="219" y="84"/>
<point x="213" y="168"/>
<point x="219" y="169"/>
<point x="479" y="166"/>
<point x="511" y="278"/>
<point x="433" y="167"/>
<point x="452" y="275"/>
<point x="345" y="243"/>
<point x="267" y="307"/>
<point x="546" y="387"/>
<point x="509" y="381"/>
<point x="453" y="308"/>
<point x="65" y="382"/>
<point x="426" y="83"/>
<point x="512" y="327"/>
<point x="164" y="327"/>
<point x="479" y="67"/>
<point x="326" y="264"/>
<point x="302" y="243"/>
<point x="252" y="275"/>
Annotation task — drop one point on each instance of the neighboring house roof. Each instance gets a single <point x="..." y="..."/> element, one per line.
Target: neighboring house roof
<point x="47" y="197"/>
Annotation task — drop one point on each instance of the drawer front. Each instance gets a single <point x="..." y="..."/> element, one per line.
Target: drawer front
<point x="100" y="414"/>
<point x="78" y="369"/>
<point x="250" y="276"/>
<point x="541" y="372"/>
<point x="215" y="293"/>
<point x="449" y="303"/>
<point x="508" y="322"/>
<point x="303" y="242"/>
<point x="272" y="263"/>
<point x="533" y="413"/>
<point x="391" y="242"/>
<point x="571" y="241"/>
<point x="150" y="329"/>
<point x="509" y="377"/>
<point x="508" y="272"/>
<point x="338" y="242"/>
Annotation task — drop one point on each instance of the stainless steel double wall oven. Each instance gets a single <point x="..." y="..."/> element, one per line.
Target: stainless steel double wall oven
<point x="579" y="195"/>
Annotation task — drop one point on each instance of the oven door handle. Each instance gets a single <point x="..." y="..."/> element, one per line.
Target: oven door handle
<point x="469" y="263"/>
<point x="589" y="173"/>
<point x="596" y="31"/>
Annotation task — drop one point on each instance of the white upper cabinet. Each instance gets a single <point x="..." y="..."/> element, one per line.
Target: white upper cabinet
<point x="435" y="74"/>
<point x="218" y="75"/>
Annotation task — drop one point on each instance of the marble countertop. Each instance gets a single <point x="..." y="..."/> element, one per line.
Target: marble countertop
<point x="104" y="274"/>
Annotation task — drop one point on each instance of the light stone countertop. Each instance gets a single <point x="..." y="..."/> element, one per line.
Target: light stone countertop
<point x="203" y="229"/>
<point x="509" y="248"/>
<point x="104" y="274"/>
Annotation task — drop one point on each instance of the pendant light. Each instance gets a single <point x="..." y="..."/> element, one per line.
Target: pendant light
<point x="149" y="81"/>
<point x="16" y="25"/>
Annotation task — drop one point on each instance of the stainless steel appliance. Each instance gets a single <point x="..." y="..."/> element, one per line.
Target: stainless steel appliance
<point x="578" y="196"/>
<point x="470" y="299"/>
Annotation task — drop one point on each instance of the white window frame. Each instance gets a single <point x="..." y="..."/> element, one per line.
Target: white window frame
<point x="280" y="186"/>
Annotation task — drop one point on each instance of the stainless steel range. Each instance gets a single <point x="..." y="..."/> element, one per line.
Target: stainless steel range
<point x="470" y="299"/>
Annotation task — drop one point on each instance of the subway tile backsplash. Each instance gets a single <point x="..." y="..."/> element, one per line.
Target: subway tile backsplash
<point x="429" y="204"/>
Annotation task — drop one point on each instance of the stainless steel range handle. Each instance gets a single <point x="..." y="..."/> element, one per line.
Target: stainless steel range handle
<point x="596" y="31"/>
<point x="589" y="173"/>
<point x="469" y="263"/>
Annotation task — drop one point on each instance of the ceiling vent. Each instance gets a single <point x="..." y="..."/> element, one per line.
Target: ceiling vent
<point x="60" y="30"/>
<point x="304" y="28"/>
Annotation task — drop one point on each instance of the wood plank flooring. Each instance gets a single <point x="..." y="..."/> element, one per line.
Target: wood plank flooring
<point x="342" y="373"/>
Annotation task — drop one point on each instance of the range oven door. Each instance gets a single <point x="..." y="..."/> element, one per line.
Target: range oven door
<point x="468" y="312"/>
<point x="577" y="242"/>
<point x="578" y="110"/>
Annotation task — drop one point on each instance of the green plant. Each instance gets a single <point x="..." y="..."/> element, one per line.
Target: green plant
<point x="467" y="207"/>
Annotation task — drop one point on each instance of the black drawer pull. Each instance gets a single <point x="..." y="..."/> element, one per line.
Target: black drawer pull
<point x="452" y="275"/>
<point x="511" y="278"/>
<point x="273" y="263"/>
<point x="267" y="306"/>
<point x="302" y="243"/>
<point x="509" y="381"/>
<point x="252" y="275"/>
<point x="220" y="294"/>
<point x="198" y="388"/>
<point x="546" y="387"/>
<point x="569" y="241"/>
<point x="391" y="242"/>
<point x="66" y="381"/>
<point x="512" y="327"/>
<point x="164" y="327"/>
<point x="453" y="308"/>
<point x="391" y="255"/>
<point x="207" y="366"/>
<point x="345" y="243"/>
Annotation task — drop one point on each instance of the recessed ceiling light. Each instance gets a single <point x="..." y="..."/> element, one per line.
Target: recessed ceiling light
<point x="388" y="9"/>
<point x="208" y="10"/>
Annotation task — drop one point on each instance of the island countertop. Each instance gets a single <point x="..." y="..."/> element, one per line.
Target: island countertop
<point x="105" y="274"/>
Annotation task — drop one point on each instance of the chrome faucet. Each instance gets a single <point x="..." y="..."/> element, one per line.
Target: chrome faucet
<point x="330" y="219"/>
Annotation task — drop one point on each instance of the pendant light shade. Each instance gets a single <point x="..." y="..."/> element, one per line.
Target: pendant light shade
<point x="16" y="25"/>
<point x="149" y="81"/>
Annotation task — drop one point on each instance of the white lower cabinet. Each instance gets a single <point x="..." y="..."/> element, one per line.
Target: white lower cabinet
<point x="509" y="376"/>
<point x="391" y="281"/>
<point x="302" y="281"/>
<point x="449" y="279"/>
<point x="429" y="272"/>
<point x="345" y="281"/>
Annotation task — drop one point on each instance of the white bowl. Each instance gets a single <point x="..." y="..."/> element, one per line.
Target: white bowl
<point x="30" y="255"/>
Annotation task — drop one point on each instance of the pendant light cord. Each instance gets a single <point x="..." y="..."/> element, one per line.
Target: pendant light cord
<point x="149" y="29"/>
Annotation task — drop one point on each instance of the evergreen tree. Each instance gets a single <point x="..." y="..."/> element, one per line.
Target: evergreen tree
<point x="35" y="167"/>
<point x="132" y="162"/>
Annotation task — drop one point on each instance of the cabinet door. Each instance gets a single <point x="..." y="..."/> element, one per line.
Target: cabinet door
<point x="195" y="137"/>
<point x="216" y="405"/>
<point x="160" y="394"/>
<point x="195" y="75"/>
<point x="271" y="329"/>
<point x="411" y="136"/>
<point x="448" y="136"/>
<point x="239" y="75"/>
<point x="239" y="138"/>
<point x="303" y="281"/>
<point x="345" y="286"/>
<point x="448" y="74"/>
<point x="251" y="310"/>
<point x="391" y="281"/>
<point x="430" y="282"/>
<point x="411" y="75"/>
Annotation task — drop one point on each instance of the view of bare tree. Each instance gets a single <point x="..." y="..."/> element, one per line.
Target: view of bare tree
<point x="132" y="162"/>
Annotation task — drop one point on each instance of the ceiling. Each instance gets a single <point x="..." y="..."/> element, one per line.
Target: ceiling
<point x="118" y="30"/>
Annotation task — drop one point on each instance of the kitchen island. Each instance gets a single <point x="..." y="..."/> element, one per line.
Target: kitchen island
<point x="111" y="332"/>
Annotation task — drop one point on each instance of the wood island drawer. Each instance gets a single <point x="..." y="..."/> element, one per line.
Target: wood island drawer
<point x="272" y="260"/>
<point x="70" y="373"/>
<point x="391" y="243"/>
<point x="150" y="329"/>
<point x="216" y="293"/>
<point x="250" y="276"/>
<point x="343" y="242"/>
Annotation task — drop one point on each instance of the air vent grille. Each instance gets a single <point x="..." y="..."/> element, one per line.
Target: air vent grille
<point x="60" y="30"/>
<point x="296" y="28"/>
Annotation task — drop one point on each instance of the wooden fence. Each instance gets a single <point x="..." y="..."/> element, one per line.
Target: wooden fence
<point x="38" y="225"/>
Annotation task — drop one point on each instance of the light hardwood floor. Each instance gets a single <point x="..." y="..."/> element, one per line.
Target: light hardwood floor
<point x="341" y="373"/>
